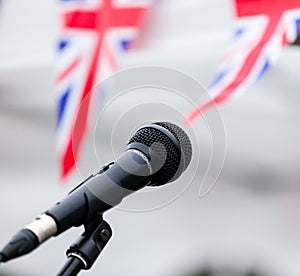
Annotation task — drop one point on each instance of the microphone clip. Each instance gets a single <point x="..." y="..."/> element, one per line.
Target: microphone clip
<point x="84" y="252"/>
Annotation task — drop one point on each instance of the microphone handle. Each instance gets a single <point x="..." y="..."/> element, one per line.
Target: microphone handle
<point x="129" y="173"/>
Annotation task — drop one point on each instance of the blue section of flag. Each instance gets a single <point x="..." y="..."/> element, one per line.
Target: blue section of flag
<point x="125" y="43"/>
<point x="219" y="78"/>
<point x="263" y="69"/>
<point x="62" y="44"/>
<point x="298" y="25"/>
<point x="238" y="32"/>
<point x="62" y="103"/>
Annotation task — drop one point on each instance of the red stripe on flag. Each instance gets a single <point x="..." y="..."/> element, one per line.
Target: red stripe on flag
<point x="100" y="20"/>
<point x="111" y="58"/>
<point x="82" y="20"/>
<point x="269" y="7"/>
<point x="111" y="17"/>
<point x="79" y="127"/>
<point x="244" y="72"/>
<point x="68" y="70"/>
<point x="250" y="61"/>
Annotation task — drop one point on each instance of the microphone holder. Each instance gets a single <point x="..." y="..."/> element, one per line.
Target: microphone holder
<point x="84" y="252"/>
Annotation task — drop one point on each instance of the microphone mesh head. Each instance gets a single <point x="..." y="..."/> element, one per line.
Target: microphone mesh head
<point x="170" y="145"/>
<point x="184" y="141"/>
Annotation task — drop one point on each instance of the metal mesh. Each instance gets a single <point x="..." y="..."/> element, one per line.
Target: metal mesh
<point x="184" y="141"/>
<point x="169" y="153"/>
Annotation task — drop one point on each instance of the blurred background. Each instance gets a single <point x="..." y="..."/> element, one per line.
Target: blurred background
<point x="248" y="223"/>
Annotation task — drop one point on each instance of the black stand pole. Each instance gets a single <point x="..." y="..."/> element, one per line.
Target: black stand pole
<point x="84" y="252"/>
<point x="72" y="267"/>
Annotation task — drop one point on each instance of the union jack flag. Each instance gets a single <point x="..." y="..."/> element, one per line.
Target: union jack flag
<point x="263" y="29"/>
<point x="94" y="34"/>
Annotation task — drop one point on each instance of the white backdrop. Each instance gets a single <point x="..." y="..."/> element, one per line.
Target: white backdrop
<point x="249" y="218"/>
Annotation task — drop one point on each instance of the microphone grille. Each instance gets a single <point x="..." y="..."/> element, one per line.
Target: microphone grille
<point x="176" y="153"/>
<point x="184" y="141"/>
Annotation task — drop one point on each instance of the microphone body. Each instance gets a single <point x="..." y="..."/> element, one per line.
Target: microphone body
<point x="131" y="172"/>
<point x="155" y="155"/>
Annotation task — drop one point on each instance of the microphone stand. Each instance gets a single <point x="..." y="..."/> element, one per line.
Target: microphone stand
<point x="84" y="252"/>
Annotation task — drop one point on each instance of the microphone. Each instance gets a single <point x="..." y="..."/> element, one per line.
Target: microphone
<point x="156" y="154"/>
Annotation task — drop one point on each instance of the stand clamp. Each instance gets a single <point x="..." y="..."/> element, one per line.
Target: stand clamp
<point x="84" y="252"/>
